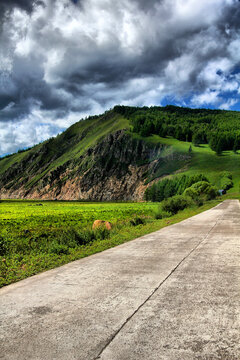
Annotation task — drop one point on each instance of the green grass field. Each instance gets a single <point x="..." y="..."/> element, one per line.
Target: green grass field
<point x="38" y="237"/>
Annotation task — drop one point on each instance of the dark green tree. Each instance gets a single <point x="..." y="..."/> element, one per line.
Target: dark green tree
<point x="235" y="145"/>
<point x="196" y="139"/>
<point x="219" y="147"/>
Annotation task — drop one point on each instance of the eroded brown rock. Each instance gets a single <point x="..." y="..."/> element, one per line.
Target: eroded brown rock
<point x="114" y="169"/>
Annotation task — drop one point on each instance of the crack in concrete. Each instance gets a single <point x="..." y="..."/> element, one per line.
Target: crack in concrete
<point x="155" y="290"/>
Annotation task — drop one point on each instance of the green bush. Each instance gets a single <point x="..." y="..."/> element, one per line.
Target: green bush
<point x="200" y="191"/>
<point x="68" y="237"/>
<point x="174" y="204"/>
<point x="226" y="184"/>
<point x="137" y="221"/>
<point x="101" y="234"/>
<point x="3" y="246"/>
<point x="226" y="174"/>
<point x="192" y="193"/>
<point x="58" y="249"/>
<point x="226" y="180"/>
<point x="84" y="237"/>
<point x="166" y="188"/>
<point x="73" y="238"/>
<point x="160" y="214"/>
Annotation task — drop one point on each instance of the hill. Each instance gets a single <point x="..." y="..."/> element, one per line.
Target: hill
<point x="117" y="155"/>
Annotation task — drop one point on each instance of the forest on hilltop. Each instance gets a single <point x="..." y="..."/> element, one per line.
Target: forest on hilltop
<point x="218" y="128"/>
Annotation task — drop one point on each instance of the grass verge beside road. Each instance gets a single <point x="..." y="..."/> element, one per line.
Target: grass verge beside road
<point x="30" y="244"/>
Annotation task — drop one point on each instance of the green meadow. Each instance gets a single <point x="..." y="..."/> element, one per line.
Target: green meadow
<point x="37" y="236"/>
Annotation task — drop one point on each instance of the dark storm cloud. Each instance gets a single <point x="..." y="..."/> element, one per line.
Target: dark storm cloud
<point x="147" y="5"/>
<point x="24" y="4"/>
<point x="7" y="6"/>
<point x="60" y="60"/>
<point x="231" y="16"/>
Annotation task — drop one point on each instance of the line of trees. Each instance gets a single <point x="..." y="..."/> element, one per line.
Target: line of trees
<point x="167" y="188"/>
<point x="218" y="128"/>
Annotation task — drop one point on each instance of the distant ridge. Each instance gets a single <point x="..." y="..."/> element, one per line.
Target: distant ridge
<point x="115" y="156"/>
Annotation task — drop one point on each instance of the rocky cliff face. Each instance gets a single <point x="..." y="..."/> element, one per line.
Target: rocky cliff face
<point x="114" y="169"/>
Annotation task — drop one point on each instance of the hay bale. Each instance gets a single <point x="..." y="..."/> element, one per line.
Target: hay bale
<point x="101" y="224"/>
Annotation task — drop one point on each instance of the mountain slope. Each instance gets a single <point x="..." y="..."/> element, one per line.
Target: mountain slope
<point x="95" y="159"/>
<point x="101" y="159"/>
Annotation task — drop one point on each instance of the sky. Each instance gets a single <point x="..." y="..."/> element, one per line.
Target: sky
<point x="62" y="60"/>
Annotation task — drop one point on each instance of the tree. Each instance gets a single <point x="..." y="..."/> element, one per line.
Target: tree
<point x="196" y="139"/>
<point x="219" y="147"/>
<point x="147" y="195"/>
<point x="235" y="146"/>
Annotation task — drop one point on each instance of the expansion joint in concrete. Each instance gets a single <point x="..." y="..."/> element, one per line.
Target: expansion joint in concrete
<point x="155" y="290"/>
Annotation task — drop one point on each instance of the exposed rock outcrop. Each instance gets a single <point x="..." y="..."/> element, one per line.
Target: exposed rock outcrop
<point x="114" y="169"/>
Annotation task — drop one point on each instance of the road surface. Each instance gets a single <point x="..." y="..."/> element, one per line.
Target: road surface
<point x="173" y="294"/>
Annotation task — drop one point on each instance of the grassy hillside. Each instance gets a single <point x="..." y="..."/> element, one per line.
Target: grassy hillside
<point x="72" y="143"/>
<point x="85" y="151"/>
<point x="30" y="166"/>
<point x="204" y="160"/>
<point x="218" y="128"/>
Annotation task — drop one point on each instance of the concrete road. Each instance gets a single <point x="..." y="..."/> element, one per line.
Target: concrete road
<point x="173" y="294"/>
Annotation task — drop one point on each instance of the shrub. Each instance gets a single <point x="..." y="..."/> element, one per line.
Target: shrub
<point x="226" y="174"/>
<point x="72" y="238"/>
<point x="85" y="237"/>
<point x="174" y="204"/>
<point x="101" y="234"/>
<point x="68" y="238"/>
<point x="58" y="249"/>
<point x="137" y="221"/>
<point x="226" y="183"/>
<point x="166" y="188"/>
<point x="160" y="214"/>
<point x="226" y="180"/>
<point x="191" y="192"/>
<point x="3" y="246"/>
<point x="201" y="190"/>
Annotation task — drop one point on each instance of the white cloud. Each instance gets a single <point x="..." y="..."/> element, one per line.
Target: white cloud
<point x="61" y="61"/>
<point x="228" y="104"/>
<point x="207" y="98"/>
